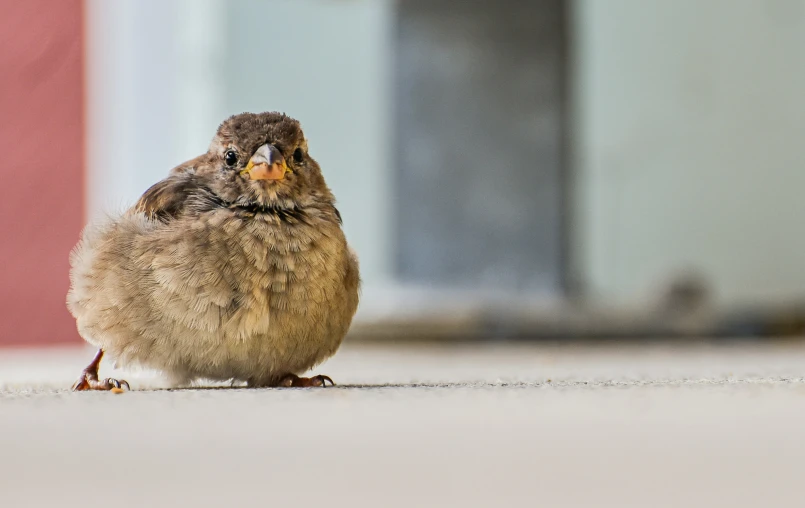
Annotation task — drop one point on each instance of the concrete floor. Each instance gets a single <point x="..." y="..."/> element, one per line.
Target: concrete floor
<point x="543" y="425"/>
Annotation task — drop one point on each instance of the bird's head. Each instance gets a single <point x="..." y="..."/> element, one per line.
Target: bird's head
<point x="262" y="159"/>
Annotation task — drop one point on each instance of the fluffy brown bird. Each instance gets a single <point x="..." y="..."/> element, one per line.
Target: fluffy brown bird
<point x="234" y="267"/>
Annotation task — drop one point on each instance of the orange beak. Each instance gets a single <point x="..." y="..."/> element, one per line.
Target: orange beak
<point x="267" y="163"/>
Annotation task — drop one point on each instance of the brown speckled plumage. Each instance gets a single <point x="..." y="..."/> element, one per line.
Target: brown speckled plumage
<point x="215" y="276"/>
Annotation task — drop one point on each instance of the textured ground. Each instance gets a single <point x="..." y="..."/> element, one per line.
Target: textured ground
<point x="615" y="425"/>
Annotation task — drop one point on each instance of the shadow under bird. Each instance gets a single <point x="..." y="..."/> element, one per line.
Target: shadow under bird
<point x="234" y="267"/>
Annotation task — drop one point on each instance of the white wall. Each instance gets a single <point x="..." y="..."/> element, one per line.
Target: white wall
<point x="690" y="136"/>
<point x="153" y="99"/>
<point x="326" y="63"/>
<point x="162" y="75"/>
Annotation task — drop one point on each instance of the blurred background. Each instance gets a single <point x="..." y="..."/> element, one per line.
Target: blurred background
<point x="505" y="169"/>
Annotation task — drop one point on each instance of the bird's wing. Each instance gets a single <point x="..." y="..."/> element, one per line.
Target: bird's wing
<point x="167" y="199"/>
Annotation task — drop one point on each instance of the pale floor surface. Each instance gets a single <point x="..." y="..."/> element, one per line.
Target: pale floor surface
<point x="617" y="425"/>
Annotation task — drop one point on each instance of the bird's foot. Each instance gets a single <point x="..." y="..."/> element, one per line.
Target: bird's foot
<point x="89" y="378"/>
<point x="90" y="381"/>
<point x="292" y="380"/>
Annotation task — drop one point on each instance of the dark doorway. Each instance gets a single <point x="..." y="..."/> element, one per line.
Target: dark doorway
<point x="480" y="182"/>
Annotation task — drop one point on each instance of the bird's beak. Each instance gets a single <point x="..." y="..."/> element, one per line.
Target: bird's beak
<point x="267" y="163"/>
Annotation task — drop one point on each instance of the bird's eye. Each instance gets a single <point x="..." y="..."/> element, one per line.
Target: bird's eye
<point x="230" y="158"/>
<point x="298" y="155"/>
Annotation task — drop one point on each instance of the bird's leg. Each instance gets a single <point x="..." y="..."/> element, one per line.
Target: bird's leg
<point x="89" y="378"/>
<point x="292" y="380"/>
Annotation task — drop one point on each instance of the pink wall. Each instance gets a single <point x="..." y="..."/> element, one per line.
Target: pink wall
<point x="41" y="166"/>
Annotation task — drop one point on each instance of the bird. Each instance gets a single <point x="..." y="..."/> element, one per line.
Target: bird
<point x="234" y="267"/>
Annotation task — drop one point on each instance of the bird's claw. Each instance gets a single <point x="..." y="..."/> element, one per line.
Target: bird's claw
<point x="88" y="381"/>
<point x="294" y="381"/>
<point x="80" y="385"/>
<point x="119" y="384"/>
<point x="89" y="378"/>
<point x="323" y="380"/>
